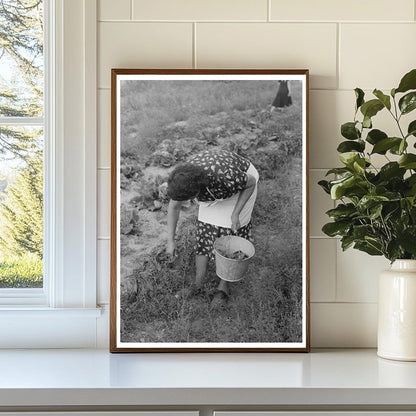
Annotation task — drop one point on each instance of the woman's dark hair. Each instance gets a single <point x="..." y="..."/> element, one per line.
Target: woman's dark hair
<point x="186" y="181"/>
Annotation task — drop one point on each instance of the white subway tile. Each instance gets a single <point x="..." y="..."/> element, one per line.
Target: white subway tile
<point x="343" y="325"/>
<point x="143" y="45"/>
<point x="103" y="271"/>
<point x="328" y="110"/>
<point x="323" y="269"/>
<point x="357" y="275"/>
<point x="114" y="10"/>
<point x="200" y="10"/>
<point x="270" y="45"/>
<point x="376" y="55"/>
<point x="342" y="10"/>
<point x="104" y="202"/>
<point x="319" y="203"/>
<point x="104" y="129"/>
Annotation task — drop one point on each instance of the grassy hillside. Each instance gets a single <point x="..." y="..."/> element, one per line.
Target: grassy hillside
<point x="164" y="123"/>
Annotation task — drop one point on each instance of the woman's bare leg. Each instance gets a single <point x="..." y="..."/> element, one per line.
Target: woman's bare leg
<point x="223" y="287"/>
<point x="201" y="263"/>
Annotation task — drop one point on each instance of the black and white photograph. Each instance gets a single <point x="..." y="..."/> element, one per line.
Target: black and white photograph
<point x="209" y="244"/>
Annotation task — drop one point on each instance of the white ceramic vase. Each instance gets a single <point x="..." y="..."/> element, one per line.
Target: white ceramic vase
<point x="397" y="312"/>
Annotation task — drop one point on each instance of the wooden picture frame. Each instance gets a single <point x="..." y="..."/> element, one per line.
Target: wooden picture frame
<point x="211" y="127"/>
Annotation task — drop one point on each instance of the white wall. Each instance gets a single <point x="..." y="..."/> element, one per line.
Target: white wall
<point x="344" y="43"/>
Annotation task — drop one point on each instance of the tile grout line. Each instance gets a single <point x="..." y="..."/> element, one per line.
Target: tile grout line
<point x="322" y="237"/>
<point x="131" y="9"/>
<point x="194" y="63"/>
<point x="345" y="302"/>
<point x="338" y="63"/>
<point x="269" y="9"/>
<point x="336" y="272"/>
<point x="308" y="22"/>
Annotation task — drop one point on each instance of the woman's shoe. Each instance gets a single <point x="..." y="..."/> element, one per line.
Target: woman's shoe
<point x="219" y="300"/>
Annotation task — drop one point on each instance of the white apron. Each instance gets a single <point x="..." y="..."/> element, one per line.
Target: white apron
<point x="219" y="212"/>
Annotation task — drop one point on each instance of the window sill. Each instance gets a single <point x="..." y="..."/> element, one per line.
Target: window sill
<point x="36" y="312"/>
<point x="40" y="327"/>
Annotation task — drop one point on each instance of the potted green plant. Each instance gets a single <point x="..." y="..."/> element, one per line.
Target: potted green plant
<point x="376" y="209"/>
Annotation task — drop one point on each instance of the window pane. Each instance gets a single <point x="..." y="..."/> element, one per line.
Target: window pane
<point x="21" y="207"/>
<point x="21" y="58"/>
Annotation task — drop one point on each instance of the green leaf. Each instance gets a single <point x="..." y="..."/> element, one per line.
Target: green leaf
<point x="411" y="130"/>
<point x="342" y="179"/>
<point x="349" y="131"/>
<point x="411" y="180"/>
<point x="408" y="102"/>
<point x="359" y="95"/>
<point x="371" y="108"/>
<point x="359" y="165"/>
<point x="338" y="189"/>
<point x="346" y="242"/>
<point x="349" y="146"/>
<point x="385" y="99"/>
<point x="398" y="149"/>
<point x="367" y="122"/>
<point x="325" y="186"/>
<point x="374" y="242"/>
<point x="393" y="250"/>
<point x="407" y="240"/>
<point x="391" y="170"/>
<point x="408" y="82"/>
<point x="383" y="145"/>
<point x="368" y="248"/>
<point x="368" y="201"/>
<point x="375" y="211"/>
<point x="342" y="211"/>
<point x="411" y="185"/>
<point x="375" y="136"/>
<point x="361" y="231"/>
<point x="408" y="161"/>
<point x="412" y="201"/>
<point x="336" y="228"/>
<point x="413" y="211"/>
<point x="348" y="158"/>
<point x="393" y="92"/>
<point x="338" y="171"/>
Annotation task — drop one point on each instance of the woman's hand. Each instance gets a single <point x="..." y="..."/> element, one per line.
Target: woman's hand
<point x="174" y="210"/>
<point x="171" y="250"/>
<point x="235" y="222"/>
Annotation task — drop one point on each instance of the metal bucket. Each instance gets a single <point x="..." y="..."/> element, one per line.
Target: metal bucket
<point x="232" y="270"/>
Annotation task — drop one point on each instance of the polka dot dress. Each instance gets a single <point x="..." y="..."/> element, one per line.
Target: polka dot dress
<point x="226" y="173"/>
<point x="227" y="176"/>
<point x="206" y="235"/>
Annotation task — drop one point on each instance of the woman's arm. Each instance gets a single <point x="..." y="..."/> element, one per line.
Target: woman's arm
<point x="244" y="196"/>
<point x="174" y="210"/>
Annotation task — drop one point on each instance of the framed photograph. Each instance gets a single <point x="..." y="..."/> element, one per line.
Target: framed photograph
<point x="209" y="212"/>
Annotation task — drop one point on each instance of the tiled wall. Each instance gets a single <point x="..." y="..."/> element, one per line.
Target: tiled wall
<point x="344" y="43"/>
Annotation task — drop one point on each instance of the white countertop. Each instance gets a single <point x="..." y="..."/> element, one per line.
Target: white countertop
<point x="96" y="377"/>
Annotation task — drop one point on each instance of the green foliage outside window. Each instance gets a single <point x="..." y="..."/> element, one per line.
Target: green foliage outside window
<point x="21" y="146"/>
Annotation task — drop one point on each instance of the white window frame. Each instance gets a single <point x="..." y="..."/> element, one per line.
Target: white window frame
<point x="35" y="296"/>
<point x="64" y="313"/>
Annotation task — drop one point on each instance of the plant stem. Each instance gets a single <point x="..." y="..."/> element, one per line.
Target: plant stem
<point x="397" y="118"/>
